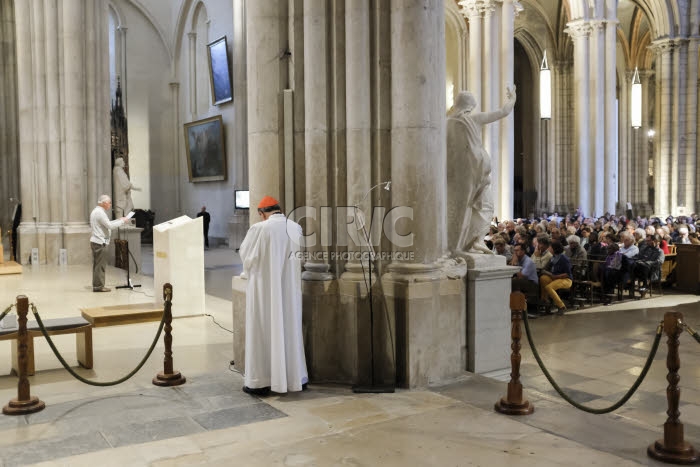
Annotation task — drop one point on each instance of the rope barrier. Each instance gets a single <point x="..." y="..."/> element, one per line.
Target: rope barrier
<point x="6" y="311"/>
<point x="691" y="331"/>
<point x="616" y="405"/>
<point x="85" y="380"/>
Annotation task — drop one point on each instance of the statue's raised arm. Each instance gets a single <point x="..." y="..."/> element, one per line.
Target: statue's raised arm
<point x="469" y="197"/>
<point x="489" y="117"/>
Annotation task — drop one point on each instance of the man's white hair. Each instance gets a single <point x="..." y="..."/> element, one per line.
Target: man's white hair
<point x="573" y="239"/>
<point x="103" y="199"/>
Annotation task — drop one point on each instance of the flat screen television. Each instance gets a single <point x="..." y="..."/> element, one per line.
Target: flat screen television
<point x="242" y="199"/>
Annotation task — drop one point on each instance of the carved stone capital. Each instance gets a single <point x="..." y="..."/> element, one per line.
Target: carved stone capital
<point x="517" y="8"/>
<point x="578" y="29"/>
<point x="477" y="8"/>
<point x="597" y="24"/>
<point x="663" y="46"/>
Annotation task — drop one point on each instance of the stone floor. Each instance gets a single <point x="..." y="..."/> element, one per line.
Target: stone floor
<point x="595" y="355"/>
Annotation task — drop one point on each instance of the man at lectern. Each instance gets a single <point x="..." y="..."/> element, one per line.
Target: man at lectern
<point x="101" y="233"/>
<point x="274" y="347"/>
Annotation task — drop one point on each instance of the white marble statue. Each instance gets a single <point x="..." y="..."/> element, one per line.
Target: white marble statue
<point x="469" y="196"/>
<point x="123" y="204"/>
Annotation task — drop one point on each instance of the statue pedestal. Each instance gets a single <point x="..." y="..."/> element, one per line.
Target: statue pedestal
<point x="488" y="314"/>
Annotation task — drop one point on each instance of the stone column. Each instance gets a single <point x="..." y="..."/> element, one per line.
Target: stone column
<point x="691" y="125"/>
<point x="175" y="106"/>
<point x="475" y="15"/>
<point x="610" y="154"/>
<point x="264" y="25"/>
<point x="596" y="116"/>
<point x="663" y="162"/>
<point x="628" y="151"/>
<point x="507" y="125"/>
<point x="580" y="32"/>
<point x="352" y="353"/>
<point x="690" y="110"/>
<point x="28" y="234"/>
<point x="192" y="73"/>
<point x="490" y="93"/>
<point x="417" y="290"/>
<point x="359" y="119"/>
<point x="9" y="163"/>
<point x="316" y="84"/>
<point x="678" y="87"/>
<point x="641" y="174"/>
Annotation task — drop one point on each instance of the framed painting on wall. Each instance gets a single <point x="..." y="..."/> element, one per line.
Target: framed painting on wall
<point x="204" y="145"/>
<point x="219" y="71"/>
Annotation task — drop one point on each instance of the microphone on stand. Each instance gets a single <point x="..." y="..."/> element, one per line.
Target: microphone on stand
<point x="373" y="387"/>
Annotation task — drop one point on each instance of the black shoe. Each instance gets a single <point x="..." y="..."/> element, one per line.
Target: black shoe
<point x="257" y="391"/>
<point x="305" y="386"/>
<point x="101" y="289"/>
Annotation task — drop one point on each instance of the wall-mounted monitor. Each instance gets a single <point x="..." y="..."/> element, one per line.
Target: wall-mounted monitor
<point x="242" y="199"/>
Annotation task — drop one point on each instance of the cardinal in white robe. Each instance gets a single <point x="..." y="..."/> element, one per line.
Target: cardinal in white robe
<point x="274" y="346"/>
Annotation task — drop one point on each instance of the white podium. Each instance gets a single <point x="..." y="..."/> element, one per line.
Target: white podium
<point x="178" y="258"/>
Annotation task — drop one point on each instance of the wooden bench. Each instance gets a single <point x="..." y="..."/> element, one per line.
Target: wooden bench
<point x="116" y="315"/>
<point x="54" y="327"/>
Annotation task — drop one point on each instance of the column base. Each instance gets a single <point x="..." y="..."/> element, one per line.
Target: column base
<point x="329" y="332"/>
<point x="427" y="324"/>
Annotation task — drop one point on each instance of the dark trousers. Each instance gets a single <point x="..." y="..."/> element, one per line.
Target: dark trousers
<point x="99" y="263"/>
<point x="527" y="287"/>
<point x="206" y="236"/>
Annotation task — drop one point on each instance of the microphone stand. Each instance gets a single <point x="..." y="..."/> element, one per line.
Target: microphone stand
<point x="129" y="284"/>
<point x="373" y="387"/>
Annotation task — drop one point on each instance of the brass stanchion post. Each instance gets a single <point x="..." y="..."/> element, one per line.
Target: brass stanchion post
<point x="513" y="403"/>
<point x="24" y="403"/>
<point x="168" y="377"/>
<point x="673" y="448"/>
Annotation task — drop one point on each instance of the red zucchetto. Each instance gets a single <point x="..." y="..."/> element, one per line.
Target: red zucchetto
<point x="267" y="202"/>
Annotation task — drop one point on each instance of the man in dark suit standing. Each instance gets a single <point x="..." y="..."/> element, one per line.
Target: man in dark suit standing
<point x="205" y="223"/>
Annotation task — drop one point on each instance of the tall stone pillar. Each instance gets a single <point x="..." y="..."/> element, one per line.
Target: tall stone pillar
<point x="62" y="77"/>
<point x="678" y="90"/>
<point x="316" y="118"/>
<point x="580" y="31"/>
<point x="353" y="357"/>
<point x="509" y="10"/>
<point x="690" y="108"/>
<point x="428" y="308"/>
<point x="663" y="162"/>
<point x="596" y="102"/>
<point x="627" y="160"/>
<point x="264" y="39"/>
<point x="641" y="173"/>
<point x="610" y="152"/>
<point x="9" y="136"/>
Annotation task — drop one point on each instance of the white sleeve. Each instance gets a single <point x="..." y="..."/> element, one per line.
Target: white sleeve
<point x="250" y="248"/>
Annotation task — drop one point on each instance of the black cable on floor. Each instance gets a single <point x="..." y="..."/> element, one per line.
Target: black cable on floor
<point x="215" y="322"/>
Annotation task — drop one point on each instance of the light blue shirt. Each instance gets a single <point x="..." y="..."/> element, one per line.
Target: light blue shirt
<point x="529" y="271"/>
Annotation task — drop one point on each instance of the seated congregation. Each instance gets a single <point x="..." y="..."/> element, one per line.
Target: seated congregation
<point x="573" y="261"/>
